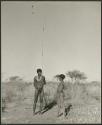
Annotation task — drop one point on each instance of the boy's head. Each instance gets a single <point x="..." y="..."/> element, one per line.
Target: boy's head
<point x="39" y="72"/>
<point x="61" y="77"/>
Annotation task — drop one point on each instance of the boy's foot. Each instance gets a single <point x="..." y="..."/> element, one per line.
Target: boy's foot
<point x="59" y="114"/>
<point x="65" y="114"/>
<point x="39" y="113"/>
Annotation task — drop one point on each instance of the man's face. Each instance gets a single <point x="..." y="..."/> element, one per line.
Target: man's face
<point x="39" y="73"/>
<point x="60" y="79"/>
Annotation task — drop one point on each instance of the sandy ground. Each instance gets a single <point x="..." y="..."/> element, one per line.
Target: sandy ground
<point x="87" y="110"/>
<point x="79" y="113"/>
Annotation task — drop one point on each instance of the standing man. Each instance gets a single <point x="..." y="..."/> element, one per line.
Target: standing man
<point x="39" y="82"/>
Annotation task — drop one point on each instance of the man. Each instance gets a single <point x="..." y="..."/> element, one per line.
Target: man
<point x="39" y="82"/>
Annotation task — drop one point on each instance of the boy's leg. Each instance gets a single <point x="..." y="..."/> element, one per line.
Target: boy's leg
<point x="62" y="105"/>
<point x="58" y="114"/>
<point x="63" y="111"/>
<point x="35" y="100"/>
<point x="59" y="106"/>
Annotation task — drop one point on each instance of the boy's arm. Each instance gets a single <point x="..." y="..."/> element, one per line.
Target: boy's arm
<point x="64" y="91"/>
<point x="44" y="80"/>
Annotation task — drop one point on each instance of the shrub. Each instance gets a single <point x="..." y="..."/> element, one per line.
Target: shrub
<point x="3" y="104"/>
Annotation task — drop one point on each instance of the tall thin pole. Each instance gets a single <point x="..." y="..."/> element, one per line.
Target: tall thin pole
<point x="42" y="53"/>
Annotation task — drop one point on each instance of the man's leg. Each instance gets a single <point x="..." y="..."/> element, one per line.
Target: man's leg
<point x="44" y="98"/>
<point x="41" y="100"/>
<point x="35" y="100"/>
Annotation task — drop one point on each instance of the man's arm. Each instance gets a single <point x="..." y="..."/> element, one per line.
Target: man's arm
<point x="35" y="83"/>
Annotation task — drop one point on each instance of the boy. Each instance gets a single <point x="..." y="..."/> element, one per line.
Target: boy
<point x="39" y="82"/>
<point x="60" y="95"/>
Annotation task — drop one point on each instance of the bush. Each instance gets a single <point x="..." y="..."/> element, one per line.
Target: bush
<point x="10" y="95"/>
<point x="3" y="104"/>
<point x="13" y="90"/>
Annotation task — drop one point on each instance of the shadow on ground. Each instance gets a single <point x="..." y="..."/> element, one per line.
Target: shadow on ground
<point x="49" y="106"/>
<point x="52" y="104"/>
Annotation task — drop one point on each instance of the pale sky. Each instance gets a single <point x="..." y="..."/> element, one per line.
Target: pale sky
<point x="72" y="38"/>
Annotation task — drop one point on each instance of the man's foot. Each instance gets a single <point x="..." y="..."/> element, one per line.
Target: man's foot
<point x="46" y="104"/>
<point x="40" y="112"/>
<point x="34" y="113"/>
<point x="58" y="115"/>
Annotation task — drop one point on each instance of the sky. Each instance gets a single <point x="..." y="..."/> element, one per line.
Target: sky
<point x="71" y="38"/>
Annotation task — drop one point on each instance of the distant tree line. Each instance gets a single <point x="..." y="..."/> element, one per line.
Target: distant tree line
<point x="75" y="76"/>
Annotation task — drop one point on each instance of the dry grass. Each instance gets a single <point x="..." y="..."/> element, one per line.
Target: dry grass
<point x="85" y="99"/>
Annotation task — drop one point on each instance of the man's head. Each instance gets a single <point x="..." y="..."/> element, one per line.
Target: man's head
<point x="39" y="72"/>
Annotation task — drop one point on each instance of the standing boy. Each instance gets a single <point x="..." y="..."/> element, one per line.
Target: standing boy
<point x="60" y="95"/>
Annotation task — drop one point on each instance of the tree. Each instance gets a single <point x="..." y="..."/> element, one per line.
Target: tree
<point x="19" y="84"/>
<point x="76" y="75"/>
<point x="56" y="76"/>
<point x="14" y="78"/>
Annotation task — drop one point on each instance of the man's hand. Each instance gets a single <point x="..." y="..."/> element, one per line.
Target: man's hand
<point x="35" y="83"/>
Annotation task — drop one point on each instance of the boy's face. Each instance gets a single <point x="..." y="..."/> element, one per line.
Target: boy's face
<point x="39" y="73"/>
